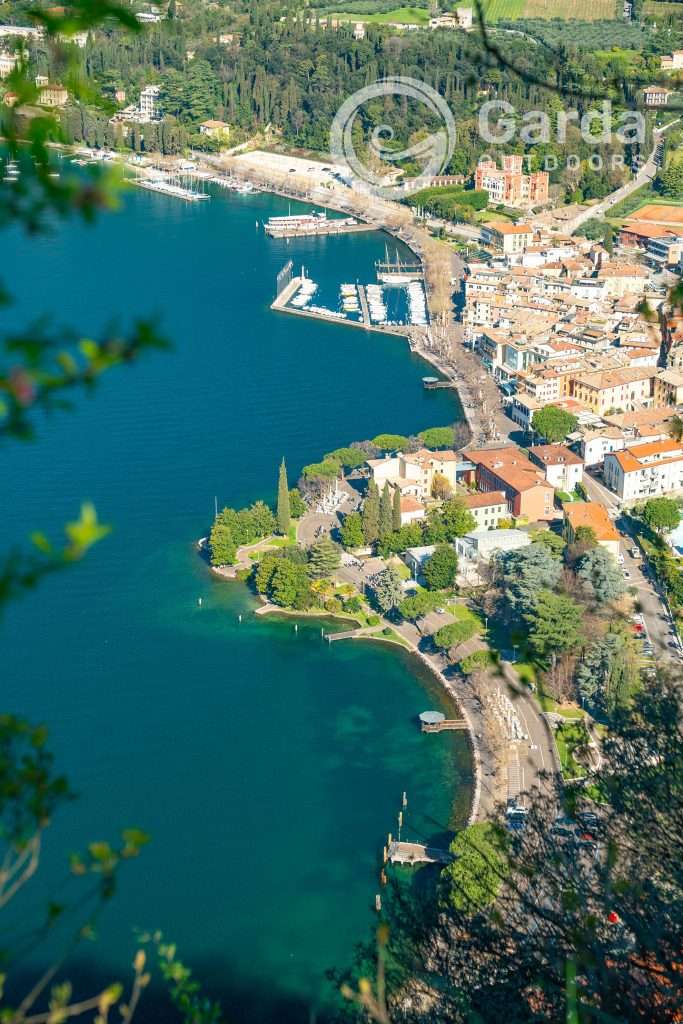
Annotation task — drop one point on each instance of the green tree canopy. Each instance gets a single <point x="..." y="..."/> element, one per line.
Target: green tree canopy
<point x="438" y="437"/>
<point x="600" y="575"/>
<point x="418" y="605"/>
<point x="479" y="867"/>
<point x="386" y="514"/>
<point x="525" y="573"/>
<point x="349" y="458"/>
<point x="326" y="470"/>
<point x="457" y="519"/>
<point x="370" y="514"/>
<point x="284" y="513"/>
<point x="387" y="588"/>
<point x="222" y="545"/>
<point x="409" y="536"/>
<point x="662" y="514"/>
<point x="352" y="531"/>
<point x="440" y="570"/>
<point x="608" y="674"/>
<point x="555" y="623"/>
<point x="297" y="505"/>
<point x="553" y="423"/>
<point x="455" y="633"/>
<point x="390" y="442"/>
<point x="323" y="559"/>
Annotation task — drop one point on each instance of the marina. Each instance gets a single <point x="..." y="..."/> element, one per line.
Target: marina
<point x="169" y="187"/>
<point x="394" y="309"/>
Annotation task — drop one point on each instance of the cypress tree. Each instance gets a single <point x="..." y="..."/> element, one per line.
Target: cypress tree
<point x="396" y="510"/>
<point x="385" y="513"/>
<point x="371" y="514"/>
<point x="284" y="515"/>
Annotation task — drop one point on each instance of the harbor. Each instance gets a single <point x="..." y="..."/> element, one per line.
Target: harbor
<point x="395" y="309"/>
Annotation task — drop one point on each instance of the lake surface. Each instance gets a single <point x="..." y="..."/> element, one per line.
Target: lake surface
<point x="267" y="765"/>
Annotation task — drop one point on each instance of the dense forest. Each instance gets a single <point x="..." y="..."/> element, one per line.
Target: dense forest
<point x="261" y="65"/>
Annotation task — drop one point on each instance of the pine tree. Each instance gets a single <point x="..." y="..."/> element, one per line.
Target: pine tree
<point x="396" y="510"/>
<point x="371" y="514"/>
<point x="324" y="558"/>
<point x="385" y="513"/>
<point x="284" y="515"/>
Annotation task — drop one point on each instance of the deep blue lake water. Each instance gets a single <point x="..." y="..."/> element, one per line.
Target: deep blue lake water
<point x="267" y="765"/>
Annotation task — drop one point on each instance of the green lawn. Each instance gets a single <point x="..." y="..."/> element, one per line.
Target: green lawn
<point x="568" y="737"/>
<point x="461" y="613"/>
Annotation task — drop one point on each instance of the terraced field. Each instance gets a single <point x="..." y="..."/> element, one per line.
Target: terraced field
<point x="500" y="10"/>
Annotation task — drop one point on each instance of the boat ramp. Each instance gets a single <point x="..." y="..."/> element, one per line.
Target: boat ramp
<point x="416" y="853"/>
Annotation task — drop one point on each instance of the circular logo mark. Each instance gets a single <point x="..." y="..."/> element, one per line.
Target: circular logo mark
<point x="432" y="152"/>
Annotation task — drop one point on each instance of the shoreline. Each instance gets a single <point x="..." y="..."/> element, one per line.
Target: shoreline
<point x="444" y="682"/>
<point x="436" y="362"/>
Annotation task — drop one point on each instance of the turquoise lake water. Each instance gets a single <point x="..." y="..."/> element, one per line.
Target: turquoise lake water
<point x="267" y="765"/>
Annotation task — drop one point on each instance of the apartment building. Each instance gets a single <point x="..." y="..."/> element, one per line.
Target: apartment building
<point x="413" y="474"/>
<point x="645" y="471"/>
<point x="488" y="508"/>
<point x="625" y="389"/>
<point x="593" y="515"/>
<point x="510" y="239"/>
<point x="563" y="468"/>
<point x="508" y="469"/>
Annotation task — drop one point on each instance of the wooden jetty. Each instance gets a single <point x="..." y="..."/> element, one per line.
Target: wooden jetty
<point x="448" y="725"/>
<point x="416" y="853"/>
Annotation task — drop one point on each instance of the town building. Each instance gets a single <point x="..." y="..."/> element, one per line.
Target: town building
<point x="414" y="474"/>
<point x="53" y="96"/>
<point x="509" y="185"/>
<point x="593" y="515"/>
<point x="8" y="62"/>
<point x="487" y="508"/>
<point x="508" y="238"/>
<point x="672" y="62"/>
<point x="22" y="32"/>
<point x="625" y="389"/>
<point x="149" y="103"/>
<point x="563" y="468"/>
<point x="645" y="471"/>
<point x="214" y="129"/>
<point x="509" y="470"/>
<point x="412" y="510"/>
<point x="656" y="96"/>
<point x="483" y="545"/>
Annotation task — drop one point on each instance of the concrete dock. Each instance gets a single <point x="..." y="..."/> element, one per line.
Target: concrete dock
<point x="280" y="304"/>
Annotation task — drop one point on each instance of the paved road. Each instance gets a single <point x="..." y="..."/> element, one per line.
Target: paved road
<point x="657" y="620"/>
<point x="644" y="175"/>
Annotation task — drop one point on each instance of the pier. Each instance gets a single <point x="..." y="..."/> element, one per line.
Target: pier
<point x="448" y="725"/>
<point x="397" y="271"/>
<point x="305" y="225"/>
<point x="364" y="305"/>
<point x="434" y="384"/>
<point x="436" y="721"/>
<point x="167" y="188"/>
<point x="416" y="853"/>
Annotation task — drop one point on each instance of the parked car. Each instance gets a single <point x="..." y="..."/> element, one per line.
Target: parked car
<point x="635" y="552"/>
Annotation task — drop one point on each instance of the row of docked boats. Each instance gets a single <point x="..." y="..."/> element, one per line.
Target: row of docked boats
<point x="305" y="294"/>
<point x="376" y="304"/>
<point x="349" y="298"/>
<point x="417" y="304"/>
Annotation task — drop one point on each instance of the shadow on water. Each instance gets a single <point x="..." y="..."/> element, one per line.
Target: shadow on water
<point x="243" y="1000"/>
